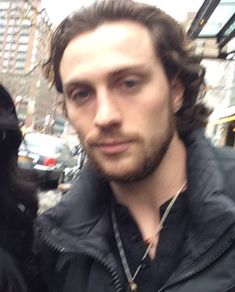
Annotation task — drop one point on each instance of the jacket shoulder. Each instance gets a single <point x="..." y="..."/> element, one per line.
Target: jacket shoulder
<point x="226" y="160"/>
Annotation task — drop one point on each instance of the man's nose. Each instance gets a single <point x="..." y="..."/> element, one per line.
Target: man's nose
<point x="108" y="112"/>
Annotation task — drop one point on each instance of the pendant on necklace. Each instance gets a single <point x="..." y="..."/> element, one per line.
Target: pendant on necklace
<point x="132" y="286"/>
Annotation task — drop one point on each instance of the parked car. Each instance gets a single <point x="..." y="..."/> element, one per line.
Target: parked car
<point x="47" y="155"/>
<point x="69" y="174"/>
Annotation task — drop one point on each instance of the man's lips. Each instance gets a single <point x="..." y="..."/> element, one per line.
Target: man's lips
<point x="114" y="147"/>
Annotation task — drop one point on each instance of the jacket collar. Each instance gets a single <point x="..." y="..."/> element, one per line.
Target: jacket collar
<point x="211" y="211"/>
<point x="84" y="212"/>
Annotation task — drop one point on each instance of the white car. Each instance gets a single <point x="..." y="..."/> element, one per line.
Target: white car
<point x="47" y="155"/>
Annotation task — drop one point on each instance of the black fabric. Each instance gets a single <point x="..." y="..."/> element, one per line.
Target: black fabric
<point x="19" y="267"/>
<point x="8" y="117"/>
<point x="10" y="276"/>
<point x="79" y="228"/>
<point x="16" y="229"/>
<point x="154" y="273"/>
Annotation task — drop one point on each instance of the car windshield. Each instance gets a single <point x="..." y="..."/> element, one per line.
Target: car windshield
<point x="44" y="145"/>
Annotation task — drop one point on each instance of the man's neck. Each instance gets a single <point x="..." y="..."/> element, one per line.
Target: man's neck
<point x="162" y="184"/>
<point x="144" y="198"/>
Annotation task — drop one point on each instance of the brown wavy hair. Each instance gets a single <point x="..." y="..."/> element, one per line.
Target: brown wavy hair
<point x="170" y="43"/>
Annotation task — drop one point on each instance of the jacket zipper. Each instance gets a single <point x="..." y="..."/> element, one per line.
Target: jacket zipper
<point x="62" y="250"/>
<point x="116" y="279"/>
<point x="201" y="266"/>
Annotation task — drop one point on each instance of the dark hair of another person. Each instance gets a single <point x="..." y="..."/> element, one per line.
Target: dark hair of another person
<point x="16" y="192"/>
<point x="170" y="43"/>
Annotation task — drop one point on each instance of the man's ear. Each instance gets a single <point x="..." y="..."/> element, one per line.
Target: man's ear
<point x="177" y="94"/>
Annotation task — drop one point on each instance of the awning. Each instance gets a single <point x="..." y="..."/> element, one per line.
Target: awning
<point x="226" y="120"/>
<point x="215" y="20"/>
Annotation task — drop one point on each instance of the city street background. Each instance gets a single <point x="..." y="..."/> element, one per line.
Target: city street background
<point x="48" y="197"/>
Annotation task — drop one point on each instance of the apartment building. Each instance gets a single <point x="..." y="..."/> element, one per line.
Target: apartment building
<point x="25" y="30"/>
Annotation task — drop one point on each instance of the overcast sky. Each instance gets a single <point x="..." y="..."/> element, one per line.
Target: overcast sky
<point x="57" y="10"/>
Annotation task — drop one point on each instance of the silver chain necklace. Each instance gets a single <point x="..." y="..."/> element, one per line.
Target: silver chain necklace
<point x="131" y="279"/>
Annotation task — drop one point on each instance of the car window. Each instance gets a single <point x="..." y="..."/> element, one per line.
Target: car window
<point x="45" y="146"/>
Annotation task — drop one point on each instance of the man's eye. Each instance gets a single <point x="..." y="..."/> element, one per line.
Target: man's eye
<point x="80" y="94"/>
<point x="130" y="83"/>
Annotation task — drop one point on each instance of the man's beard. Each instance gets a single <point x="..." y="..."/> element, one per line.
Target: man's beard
<point x="148" y="163"/>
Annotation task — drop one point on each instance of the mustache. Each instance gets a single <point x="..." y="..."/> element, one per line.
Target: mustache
<point x="117" y="137"/>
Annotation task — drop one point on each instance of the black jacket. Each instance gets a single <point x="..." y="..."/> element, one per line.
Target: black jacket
<point x="19" y="268"/>
<point x="74" y="236"/>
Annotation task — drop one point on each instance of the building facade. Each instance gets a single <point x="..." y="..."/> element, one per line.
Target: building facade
<point x="25" y="30"/>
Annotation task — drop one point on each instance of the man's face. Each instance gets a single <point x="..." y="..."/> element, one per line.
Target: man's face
<point x="119" y="99"/>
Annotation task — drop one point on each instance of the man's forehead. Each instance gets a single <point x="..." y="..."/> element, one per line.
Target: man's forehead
<point x="111" y="45"/>
<point x="109" y="35"/>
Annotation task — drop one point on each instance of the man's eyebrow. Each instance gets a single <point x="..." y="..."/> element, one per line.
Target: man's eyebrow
<point x="141" y="69"/>
<point x="75" y="83"/>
